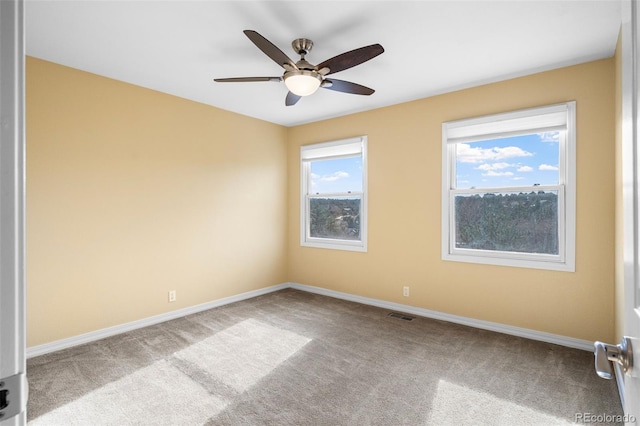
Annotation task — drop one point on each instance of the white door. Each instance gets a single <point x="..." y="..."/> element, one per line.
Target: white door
<point x="626" y="355"/>
<point x="12" y="242"/>
<point x="631" y="200"/>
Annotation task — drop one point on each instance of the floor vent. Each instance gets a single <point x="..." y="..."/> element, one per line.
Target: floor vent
<point x="400" y="316"/>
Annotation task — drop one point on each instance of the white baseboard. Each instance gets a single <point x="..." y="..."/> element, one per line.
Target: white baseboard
<point x="485" y="325"/>
<point x="145" y="322"/>
<point x="620" y="382"/>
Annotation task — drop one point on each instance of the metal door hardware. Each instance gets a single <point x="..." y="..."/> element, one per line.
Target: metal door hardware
<point x="13" y="396"/>
<point x="605" y="354"/>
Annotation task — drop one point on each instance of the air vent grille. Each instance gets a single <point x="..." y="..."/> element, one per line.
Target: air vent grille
<point x="400" y="316"/>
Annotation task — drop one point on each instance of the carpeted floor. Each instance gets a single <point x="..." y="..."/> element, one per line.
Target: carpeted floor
<point x="296" y="358"/>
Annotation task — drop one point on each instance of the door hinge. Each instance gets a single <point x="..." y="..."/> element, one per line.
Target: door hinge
<point x="13" y="396"/>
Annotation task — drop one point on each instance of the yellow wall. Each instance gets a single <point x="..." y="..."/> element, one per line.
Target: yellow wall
<point x="132" y="193"/>
<point x="404" y="155"/>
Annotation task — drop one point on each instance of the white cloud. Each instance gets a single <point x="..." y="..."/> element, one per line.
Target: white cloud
<point x="334" y="176"/>
<point x="518" y="178"/>
<point x="497" y="174"/>
<point x="494" y="166"/>
<point x="547" y="167"/>
<point x="550" y="137"/>
<point x="466" y="154"/>
<point x="525" y="169"/>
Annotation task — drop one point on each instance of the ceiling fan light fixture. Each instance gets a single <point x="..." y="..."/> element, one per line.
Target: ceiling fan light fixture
<point x="302" y="82"/>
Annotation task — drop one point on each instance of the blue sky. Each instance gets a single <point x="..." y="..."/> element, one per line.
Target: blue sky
<point x="516" y="161"/>
<point x="340" y="175"/>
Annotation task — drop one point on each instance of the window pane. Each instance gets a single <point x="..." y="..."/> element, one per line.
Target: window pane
<point x="526" y="160"/>
<point x="336" y="218"/>
<point x="336" y="176"/>
<point x="512" y="222"/>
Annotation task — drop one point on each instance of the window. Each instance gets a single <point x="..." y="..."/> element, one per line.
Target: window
<point x="333" y="206"/>
<point x="508" y="195"/>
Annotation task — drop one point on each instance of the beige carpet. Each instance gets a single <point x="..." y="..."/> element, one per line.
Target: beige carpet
<point x="295" y="358"/>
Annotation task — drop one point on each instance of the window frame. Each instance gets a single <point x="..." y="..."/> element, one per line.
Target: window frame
<point x="521" y="122"/>
<point x="332" y="150"/>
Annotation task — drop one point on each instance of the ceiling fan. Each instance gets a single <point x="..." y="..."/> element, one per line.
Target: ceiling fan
<point x="303" y="78"/>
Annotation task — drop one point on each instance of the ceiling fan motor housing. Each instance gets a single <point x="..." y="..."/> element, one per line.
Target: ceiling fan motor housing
<point x="302" y="46"/>
<point x="305" y="80"/>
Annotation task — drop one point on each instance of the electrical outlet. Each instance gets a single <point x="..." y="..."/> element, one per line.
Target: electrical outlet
<point x="405" y="291"/>
<point x="172" y="296"/>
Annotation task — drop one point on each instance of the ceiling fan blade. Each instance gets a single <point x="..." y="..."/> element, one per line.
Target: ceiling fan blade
<point x="247" y="79"/>
<point x="270" y="49"/>
<point x="291" y="99"/>
<point x="351" y="59"/>
<point x="346" y="87"/>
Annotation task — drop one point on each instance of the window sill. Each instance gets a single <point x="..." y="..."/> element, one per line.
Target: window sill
<point x="565" y="266"/>
<point x="336" y="245"/>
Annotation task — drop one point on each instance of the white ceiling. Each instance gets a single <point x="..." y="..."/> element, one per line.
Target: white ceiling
<point x="431" y="47"/>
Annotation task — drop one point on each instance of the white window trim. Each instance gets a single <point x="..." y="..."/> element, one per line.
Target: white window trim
<point x="514" y="123"/>
<point x="332" y="150"/>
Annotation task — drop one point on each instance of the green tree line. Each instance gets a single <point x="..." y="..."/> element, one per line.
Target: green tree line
<point x="524" y="222"/>
<point x="335" y="218"/>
